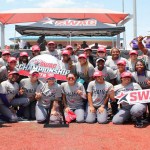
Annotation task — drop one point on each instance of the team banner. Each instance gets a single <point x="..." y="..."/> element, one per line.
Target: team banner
<point x="133" y="97"/>
<point x="44" y="64"/>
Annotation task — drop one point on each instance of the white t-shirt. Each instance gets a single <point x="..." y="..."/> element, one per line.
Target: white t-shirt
<point x="99" y="92"/>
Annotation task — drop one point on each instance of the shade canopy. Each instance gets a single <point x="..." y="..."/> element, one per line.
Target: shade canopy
<point x="67" y="27"/>
<point x="36" y="14"/>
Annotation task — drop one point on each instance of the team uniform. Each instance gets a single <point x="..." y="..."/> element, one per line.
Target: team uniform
<point x="80" y="73"/>
<point x="113" y="63"/>
<point x="56" y="53"/>
<point x="74" y="58"/>
<point x="65" y="65"/>
<point x="109" y="74"/>
<point x="2" y="62"/>
<point x="74" y="101"/>
<point x="142" y="79"/>
<point x="4" y="73"/>
<point x="10" y="91"/>
<point x="29" y="92"/>
<point x="127" y="110"/>
<point x="99" y="93"/>
<point x="48" y="93"/>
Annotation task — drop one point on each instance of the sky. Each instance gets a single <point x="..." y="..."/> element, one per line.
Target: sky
<point x="143" y="12"/>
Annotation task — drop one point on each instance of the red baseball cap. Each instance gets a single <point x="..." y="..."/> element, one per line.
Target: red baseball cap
<point x="87" y="48"/>
<point x="133" y="52"/>
<point x="24" y="54"/>
<point x="98" y="74"/>
<point x="5" y="52"/>
<point x="51" y="42"/>
<point x="35" y="48"/>
<point x="126" y="74"/>
<point x="50" y="75"/>
<point x="122" y="62"/>
<point x="65" y="52"/>
<point x="101" y="49"/>
<point x="82" y="56"/>
<point x="68" y="46"/>
<point x="13" y="72"/>
<point x="12" y="59"/>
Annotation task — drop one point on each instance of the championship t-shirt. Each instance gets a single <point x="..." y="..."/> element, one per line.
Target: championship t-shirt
<point x="10" y="89"/>
<point x="80" y="71"/>
<point x="99" y="92"/>
<point x="48" y="93"/>
<point x="73" y="99"/>
<point x="29" y="88"/>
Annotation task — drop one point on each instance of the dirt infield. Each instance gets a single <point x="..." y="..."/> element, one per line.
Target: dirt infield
<point x="32" y="136"/>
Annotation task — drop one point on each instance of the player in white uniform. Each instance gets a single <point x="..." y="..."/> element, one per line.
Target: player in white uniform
<point x="4" y="58"/>
<point x="99" y="91"/>
<point x="74" y="57"/>
<point x="44" y="94"/>
<point x="127" y="110"/>
<point x="73" y="97"/>
<point x="9" y="90"/>
<point x="52" y="50"/>
<point x="114" y="58"/>
<point x="29" y="86"/>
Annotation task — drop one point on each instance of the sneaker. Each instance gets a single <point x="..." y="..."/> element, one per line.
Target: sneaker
<point x="22" y="119"/>
<point x="139" y="123"/>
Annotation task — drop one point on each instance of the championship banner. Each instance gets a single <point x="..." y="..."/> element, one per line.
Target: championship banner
<point x="44" y="64"/>
<point x="133" y="97"/>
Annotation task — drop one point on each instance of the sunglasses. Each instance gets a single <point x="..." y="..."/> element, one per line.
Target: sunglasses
<point x="71" y="78"/>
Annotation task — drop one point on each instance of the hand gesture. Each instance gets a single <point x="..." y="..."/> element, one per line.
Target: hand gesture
<point x="21" y="91"/>
<point x="140" y="38"/>
<point x="101" y="109"/>
<point x="92" y="109"/>
<point x="79" y="92"/>
<point x="38" y="95"/>
<point x="67" y="109"/>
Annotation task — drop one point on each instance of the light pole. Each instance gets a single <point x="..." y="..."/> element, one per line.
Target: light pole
<point x="124" y="34"/>
<point x="134" y="19"/>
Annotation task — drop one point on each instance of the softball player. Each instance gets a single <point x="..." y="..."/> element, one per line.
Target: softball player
<point x="99" y="91"/>
<point x="44" y="94"/>
<point x="52" y="50"/>
<point x="127" y="110"/>
<point x="73" y="95"/>
<point x="11" y="66"/>
<point x="9" y="89"/>
<point x="29" y="86"/>
<point x="73" y="57"/>
<point x="4" y="58"/>
<point x="84" y="69"/>
<point x="109" y="74"/>
<point x="114" y="58"/>
<point x="66" y="62"/>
